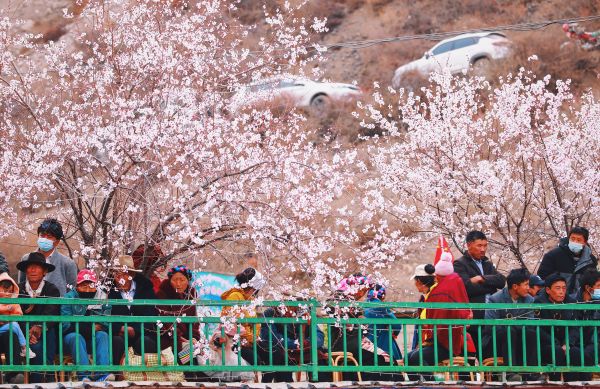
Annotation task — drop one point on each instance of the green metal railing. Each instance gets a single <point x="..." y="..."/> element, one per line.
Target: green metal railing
<point x="507" y="353"/>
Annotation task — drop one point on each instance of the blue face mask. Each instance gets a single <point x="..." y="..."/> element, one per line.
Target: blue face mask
<point x="45" y="244"/>
<point x="575" y="247"/>
<point x="596" y="294"/>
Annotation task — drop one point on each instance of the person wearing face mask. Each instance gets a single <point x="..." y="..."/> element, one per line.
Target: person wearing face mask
<point x="570" y="259"/>
<point x="50" y="233"/>
<point x="588" y="293"/>
<point x="77" y="341"/>
<point x="178" y="286"/>
<point x="35" y="286"/>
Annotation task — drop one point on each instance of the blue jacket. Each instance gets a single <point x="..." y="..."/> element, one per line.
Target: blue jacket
<point x="80" y="310"/>
<point x="383" y="331"/>
<point x="502" y="296"/>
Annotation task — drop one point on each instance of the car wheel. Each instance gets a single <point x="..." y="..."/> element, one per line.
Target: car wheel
<point x="481" y="65"/>
<point x="320" y="104"/>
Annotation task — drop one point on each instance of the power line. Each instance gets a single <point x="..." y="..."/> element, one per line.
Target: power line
<point x="443" y="35"/>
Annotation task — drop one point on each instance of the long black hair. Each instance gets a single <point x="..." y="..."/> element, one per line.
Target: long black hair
<point x="428" y="281"/>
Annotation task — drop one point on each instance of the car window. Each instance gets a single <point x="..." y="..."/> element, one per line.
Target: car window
<point x="444" y="47"/>
<point x="460" y="43"/>
<point x="287" y="83"/>
<point x="262" y="86"/>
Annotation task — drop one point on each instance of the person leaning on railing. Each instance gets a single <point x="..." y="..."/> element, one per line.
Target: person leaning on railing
<point x="449" y="289"/>
<point x="10" y="289"/>
<point x="177" y="286"/>
<point x="588" y="293"/>
<point x="250" y="282"/>
<point x="478" y="274"/>
<point x="424" y="282"/>
<point x="78" y="336"/>
<point x="384" y="333"/>
<point x="295" y="341"/>
<point x="515" y="292"/>
<point x="9" y="332"/>
<point x="553" y="338"/>
<point x="131" y="285"/>
<point x="35" y="268"/>
<point x="349" y="337"/>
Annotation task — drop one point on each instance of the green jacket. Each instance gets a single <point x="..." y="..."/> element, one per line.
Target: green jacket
<point x="80" y="310"/>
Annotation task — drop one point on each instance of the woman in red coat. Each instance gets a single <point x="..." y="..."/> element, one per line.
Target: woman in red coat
<point x="450" y="289"/>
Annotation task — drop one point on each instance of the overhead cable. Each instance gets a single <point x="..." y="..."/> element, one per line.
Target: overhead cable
<point x="444" y="35"/>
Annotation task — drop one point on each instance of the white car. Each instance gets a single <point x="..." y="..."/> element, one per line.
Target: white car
<point x="457" y="54"/>
<point x="298" y="92"/>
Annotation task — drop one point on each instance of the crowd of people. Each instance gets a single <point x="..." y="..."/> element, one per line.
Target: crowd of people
<point x="567" y="274"/>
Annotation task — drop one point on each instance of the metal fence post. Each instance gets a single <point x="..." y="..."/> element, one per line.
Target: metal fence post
<point x="314" y="335"/>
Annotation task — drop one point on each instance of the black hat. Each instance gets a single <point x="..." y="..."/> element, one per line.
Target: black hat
<point x="535" y="280"/>
<point x="35" y="258"/>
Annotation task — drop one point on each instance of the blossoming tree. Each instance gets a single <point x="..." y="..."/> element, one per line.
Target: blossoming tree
<point x="518" y="160"/>
<point x="124" y="129"/>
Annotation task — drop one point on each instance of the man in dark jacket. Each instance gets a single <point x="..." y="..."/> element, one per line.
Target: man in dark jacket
<point x="131" y="285"/>
<point x="570" y="259"/>
<point x="479" y="275"/>
<point x="35" y="269"/>
<point x="515" y="292"/>
<point x="555" y="343"/>
<point x="589" y="293"/>
<point x="477" y="272"/>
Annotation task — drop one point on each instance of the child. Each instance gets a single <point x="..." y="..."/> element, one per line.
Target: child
<point x="9" y="288"/>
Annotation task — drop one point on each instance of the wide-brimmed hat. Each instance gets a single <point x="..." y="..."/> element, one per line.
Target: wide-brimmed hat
<point x="124" y="263"/>
<point x="35" y="258"/>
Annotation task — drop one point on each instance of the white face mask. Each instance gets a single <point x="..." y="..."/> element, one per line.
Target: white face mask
<point x="575" y="247"/>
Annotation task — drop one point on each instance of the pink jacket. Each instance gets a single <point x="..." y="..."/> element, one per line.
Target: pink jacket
<point x="11" y="309"/>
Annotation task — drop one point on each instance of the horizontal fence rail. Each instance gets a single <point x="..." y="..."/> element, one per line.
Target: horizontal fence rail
<point x="328" y="341"/>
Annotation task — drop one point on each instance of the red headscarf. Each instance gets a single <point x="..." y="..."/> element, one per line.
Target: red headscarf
<point x="151" y="254"/>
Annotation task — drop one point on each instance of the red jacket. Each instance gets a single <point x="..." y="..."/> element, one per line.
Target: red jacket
<point x="166" y="291"/>
<point x="450" y="289"/>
